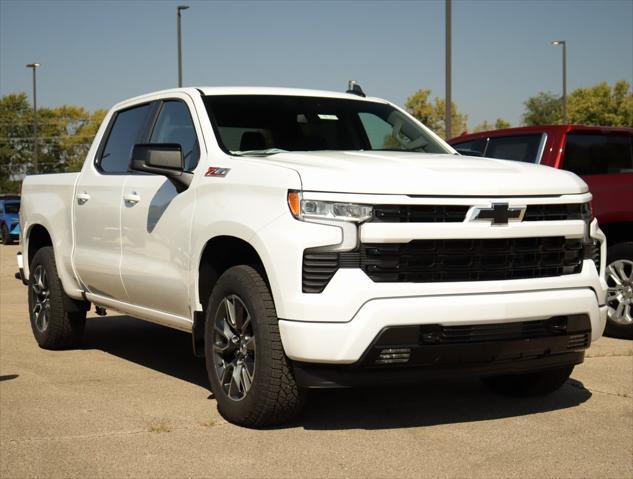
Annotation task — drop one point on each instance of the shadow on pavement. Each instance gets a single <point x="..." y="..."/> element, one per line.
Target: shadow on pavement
<point x="430" y="403"/>
<point x="153" y="346"/>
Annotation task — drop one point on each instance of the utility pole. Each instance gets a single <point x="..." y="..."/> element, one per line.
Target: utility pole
<point x="178" y="10"/>
<point x="449" y="99"/>
<point x="34" y="66"/>
<point x="564" y="45"/>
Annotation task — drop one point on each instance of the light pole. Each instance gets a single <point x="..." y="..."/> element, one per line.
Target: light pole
<point x="562" y="42"/>
<point x="178" y="10"/>
<point x="34" y="66"/>
<point x="449" y="101"/>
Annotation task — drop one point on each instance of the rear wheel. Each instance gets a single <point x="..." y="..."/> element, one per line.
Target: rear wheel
<point x="538" y="383"/>
<point x="249" y="373"/>
<point x="619" y="276"/>
<point x="53" y="326"/>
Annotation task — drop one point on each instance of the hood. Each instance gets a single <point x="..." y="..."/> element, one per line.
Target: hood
<point x="424" y="174"/>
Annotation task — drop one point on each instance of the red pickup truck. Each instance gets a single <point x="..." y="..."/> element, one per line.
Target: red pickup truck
<point x="603" y="157"/>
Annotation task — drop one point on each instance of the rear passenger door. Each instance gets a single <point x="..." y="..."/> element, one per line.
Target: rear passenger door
<point x="156" y="220"/>
<point x="97" y="204"/>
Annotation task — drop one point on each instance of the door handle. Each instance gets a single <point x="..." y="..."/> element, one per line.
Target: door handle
<point x="132" y="198"/>
<point x="82" y="198"/>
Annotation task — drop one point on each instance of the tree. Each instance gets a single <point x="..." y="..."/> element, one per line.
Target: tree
<point x="16" y="118"/>
<point x="64" y="137"/>
<point x="596" y="105"/>
<point x="432" y="113"/>
<point x="602" y="105"/>
<point x="543" y="109"/>
<point x="499" y="124"/>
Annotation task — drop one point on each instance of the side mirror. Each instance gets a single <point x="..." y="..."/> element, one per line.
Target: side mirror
<point x="162" y="159"/>
<point x="466" y="152"/>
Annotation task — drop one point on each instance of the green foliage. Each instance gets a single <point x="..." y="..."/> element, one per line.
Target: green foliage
<point x="64" y="137"/>
<point x="543" y="109"/>
<point x="597" y="105"/>
<point x="602" y="105"/>
<point x="432" y="113"/>
<point x="499" y="124"/>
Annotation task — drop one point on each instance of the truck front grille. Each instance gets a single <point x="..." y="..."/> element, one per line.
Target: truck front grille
<point x="436" y="261"/>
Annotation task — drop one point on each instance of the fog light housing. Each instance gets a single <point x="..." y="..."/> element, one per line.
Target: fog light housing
<point x="393" y="356"/>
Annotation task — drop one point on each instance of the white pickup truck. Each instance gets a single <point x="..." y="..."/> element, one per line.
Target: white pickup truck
<point x="315" y="239"/>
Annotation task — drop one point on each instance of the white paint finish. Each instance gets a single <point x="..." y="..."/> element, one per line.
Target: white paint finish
<point x="424" y="174"/>
<point x="46" y="202"/>
<point x="97" y="254"/>
<point x="164" y="234"/>
<point x="345" y="343"/>
<point x="443" y="200"/>
<point x="405" y="232"/>
<point x="156" y="242"/>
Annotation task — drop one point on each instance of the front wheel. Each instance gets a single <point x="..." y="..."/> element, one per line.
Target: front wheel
<point x="539" y="383"/>
<point x="619" y="278"/>
<point x="249" y="373"/>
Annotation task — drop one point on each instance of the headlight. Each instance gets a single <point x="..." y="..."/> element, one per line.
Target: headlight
<point x="329" y="210"/>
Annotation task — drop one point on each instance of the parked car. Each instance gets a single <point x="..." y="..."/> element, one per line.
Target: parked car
<point x="603" y="157"/>
<point x="315" y="239"/>
<point x="9" y="218"/>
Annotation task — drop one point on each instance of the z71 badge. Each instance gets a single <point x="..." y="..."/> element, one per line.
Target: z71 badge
<point x="216" y="171"/>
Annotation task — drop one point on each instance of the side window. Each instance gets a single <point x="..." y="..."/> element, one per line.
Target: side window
<point x="124" y="134"/>
<point x="598" y="154"/>
<point x="478" y="145"/>
<point x="518" y="148"/>
<point x="174" y="125"/>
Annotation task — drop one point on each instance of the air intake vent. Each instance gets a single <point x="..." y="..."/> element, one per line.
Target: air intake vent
<point x="393" y="356"/>
<point x="578" y="341"/>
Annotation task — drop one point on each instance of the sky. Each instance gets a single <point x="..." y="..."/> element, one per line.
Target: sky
<point x="96" y="53"/>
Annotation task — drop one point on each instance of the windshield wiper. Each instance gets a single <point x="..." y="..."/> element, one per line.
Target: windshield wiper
<point x="269" y="151"/>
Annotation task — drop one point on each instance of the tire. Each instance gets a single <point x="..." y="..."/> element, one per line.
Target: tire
<point x="53" y="326"/>
<point x="6" y="236"/>
<point x="620" y="296"/>
<point x="538" y="383"/>
<point x="265" y="393"/>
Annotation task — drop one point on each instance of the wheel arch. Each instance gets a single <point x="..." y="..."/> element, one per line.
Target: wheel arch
<point x="218" y="255"/>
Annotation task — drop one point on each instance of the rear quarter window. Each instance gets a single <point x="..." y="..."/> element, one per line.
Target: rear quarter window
<point x="523" y="148"/>
<point x="598" y="153"/>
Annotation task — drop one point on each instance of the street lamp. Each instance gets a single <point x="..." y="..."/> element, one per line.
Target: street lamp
<point x="179" y="9"/>
<point x="34" y="66"/>
<point x="562" y="42"/>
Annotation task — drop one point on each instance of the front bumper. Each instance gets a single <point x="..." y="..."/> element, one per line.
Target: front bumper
<point x="345" y="343"/>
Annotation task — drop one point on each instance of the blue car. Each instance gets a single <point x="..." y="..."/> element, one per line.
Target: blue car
<point x="10" y="218"/>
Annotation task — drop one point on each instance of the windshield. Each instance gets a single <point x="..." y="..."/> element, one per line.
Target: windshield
<point x="12" y="207"/>
<point x="269" y="124"/>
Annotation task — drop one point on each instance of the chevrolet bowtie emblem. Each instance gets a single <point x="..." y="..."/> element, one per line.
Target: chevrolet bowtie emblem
<point x="499" y="213"/>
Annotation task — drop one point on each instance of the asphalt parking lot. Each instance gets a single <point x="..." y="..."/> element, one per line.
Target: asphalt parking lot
<point x="134" y="403"/>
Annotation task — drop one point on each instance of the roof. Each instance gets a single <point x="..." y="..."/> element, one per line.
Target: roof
<point x="539" y="129"/>
<point x="249" y="90"/>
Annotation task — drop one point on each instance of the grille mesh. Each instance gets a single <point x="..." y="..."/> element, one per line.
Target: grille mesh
<point x="449" y="261"/>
